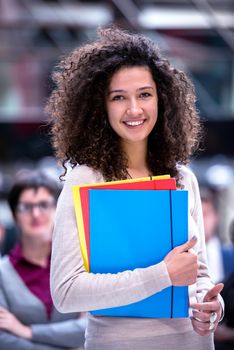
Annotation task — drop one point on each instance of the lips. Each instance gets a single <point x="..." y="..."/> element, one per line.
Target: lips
<point x="134" y="123"/>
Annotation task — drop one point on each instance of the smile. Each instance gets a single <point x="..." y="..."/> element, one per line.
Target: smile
<point x="134" y="123"/>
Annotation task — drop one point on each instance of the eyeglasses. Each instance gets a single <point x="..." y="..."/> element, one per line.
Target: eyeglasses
<point x="27" y="208"/>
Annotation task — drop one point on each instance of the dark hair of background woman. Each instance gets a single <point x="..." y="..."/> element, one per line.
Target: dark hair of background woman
<point x="31" y="180"/>
<point x="81" y="133"/>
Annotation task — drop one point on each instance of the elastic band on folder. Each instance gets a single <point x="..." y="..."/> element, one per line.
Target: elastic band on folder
<point x="172" y="247"/>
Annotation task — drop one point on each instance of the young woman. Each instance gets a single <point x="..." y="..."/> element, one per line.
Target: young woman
<point x="120" y="111"/>
<point x="28" y="319"/>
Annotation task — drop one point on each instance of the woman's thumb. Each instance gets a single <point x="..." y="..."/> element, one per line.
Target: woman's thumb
<point x="188" y="245"/>
<point x="213" y="292"/>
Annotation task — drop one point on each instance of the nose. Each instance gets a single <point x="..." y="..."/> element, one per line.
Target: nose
<point x="134" y="108"/>
<point x="36" y="211"/>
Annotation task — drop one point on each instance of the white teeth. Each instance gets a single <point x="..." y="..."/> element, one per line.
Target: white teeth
<point x="135" y="123"/>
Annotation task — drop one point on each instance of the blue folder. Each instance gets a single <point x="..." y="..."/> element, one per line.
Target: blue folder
<point x="132" y="229"/>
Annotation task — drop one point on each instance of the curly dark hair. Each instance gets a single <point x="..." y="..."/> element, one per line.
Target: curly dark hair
<point x="81" y="133"/>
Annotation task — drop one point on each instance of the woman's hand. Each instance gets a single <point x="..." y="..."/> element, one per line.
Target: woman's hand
<point x="182" y="264"/>
<point x="10" y="323"/>
<point x="206" y="315"/>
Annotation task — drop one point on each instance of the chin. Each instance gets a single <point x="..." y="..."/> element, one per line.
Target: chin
<point x="136" y="139"/>
<point x="38" y="231"/>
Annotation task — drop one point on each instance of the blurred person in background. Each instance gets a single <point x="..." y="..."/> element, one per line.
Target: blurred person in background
<point x="2" y="236"/>
<point x="8" y="238"/>
<point x="232" y="232"/>
<point x="28" y="319"/>
<point x="224" y="335"/>
<point x="221" y="267"/>
<point x="220" y="257"/>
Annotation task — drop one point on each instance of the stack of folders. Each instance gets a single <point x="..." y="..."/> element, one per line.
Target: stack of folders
<point x="130" y="224"/>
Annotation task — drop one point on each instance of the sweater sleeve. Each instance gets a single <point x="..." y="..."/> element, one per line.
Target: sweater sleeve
<point x="10" y="341"/>
<point x="196" y="227"/>
<point x="72" y="287"/>
<point x="204" y="282"/>
<point x="67" y="334"/>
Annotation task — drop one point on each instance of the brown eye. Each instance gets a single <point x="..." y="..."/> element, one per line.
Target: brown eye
<point x="145" y="94"/>
<point x="117" y="98"/>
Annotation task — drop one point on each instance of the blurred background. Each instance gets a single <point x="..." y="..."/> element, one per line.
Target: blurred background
<point x="196" y="35"/>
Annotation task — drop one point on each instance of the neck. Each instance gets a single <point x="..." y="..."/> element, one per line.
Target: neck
<point x="35" y="251"/>
<point x="136" y="154"/>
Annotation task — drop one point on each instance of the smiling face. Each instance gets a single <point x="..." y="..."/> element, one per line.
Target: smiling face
<point x="35" y="213"/>
<point x="132" y="104"/>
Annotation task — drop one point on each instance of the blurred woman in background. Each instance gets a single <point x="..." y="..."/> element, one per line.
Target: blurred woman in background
<point x="28" y="319"/>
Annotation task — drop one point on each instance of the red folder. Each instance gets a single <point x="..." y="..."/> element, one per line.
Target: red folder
<point x="158" y="184"/>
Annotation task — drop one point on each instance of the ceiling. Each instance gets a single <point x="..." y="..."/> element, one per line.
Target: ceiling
<point x="197" y="35"/>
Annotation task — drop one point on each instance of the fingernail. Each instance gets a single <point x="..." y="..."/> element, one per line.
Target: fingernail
<point x="194" y="238"/>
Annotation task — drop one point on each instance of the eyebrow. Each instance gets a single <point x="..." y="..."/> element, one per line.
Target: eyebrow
<point x="140" y="89"/>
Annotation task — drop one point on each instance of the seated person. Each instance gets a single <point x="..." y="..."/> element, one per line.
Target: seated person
<point x="220" y="256"/>
<point x="224" y="335"/>
<point x="28" y="319"/>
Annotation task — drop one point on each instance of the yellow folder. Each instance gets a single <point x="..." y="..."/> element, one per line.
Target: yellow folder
<point x="79" y="209"/>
